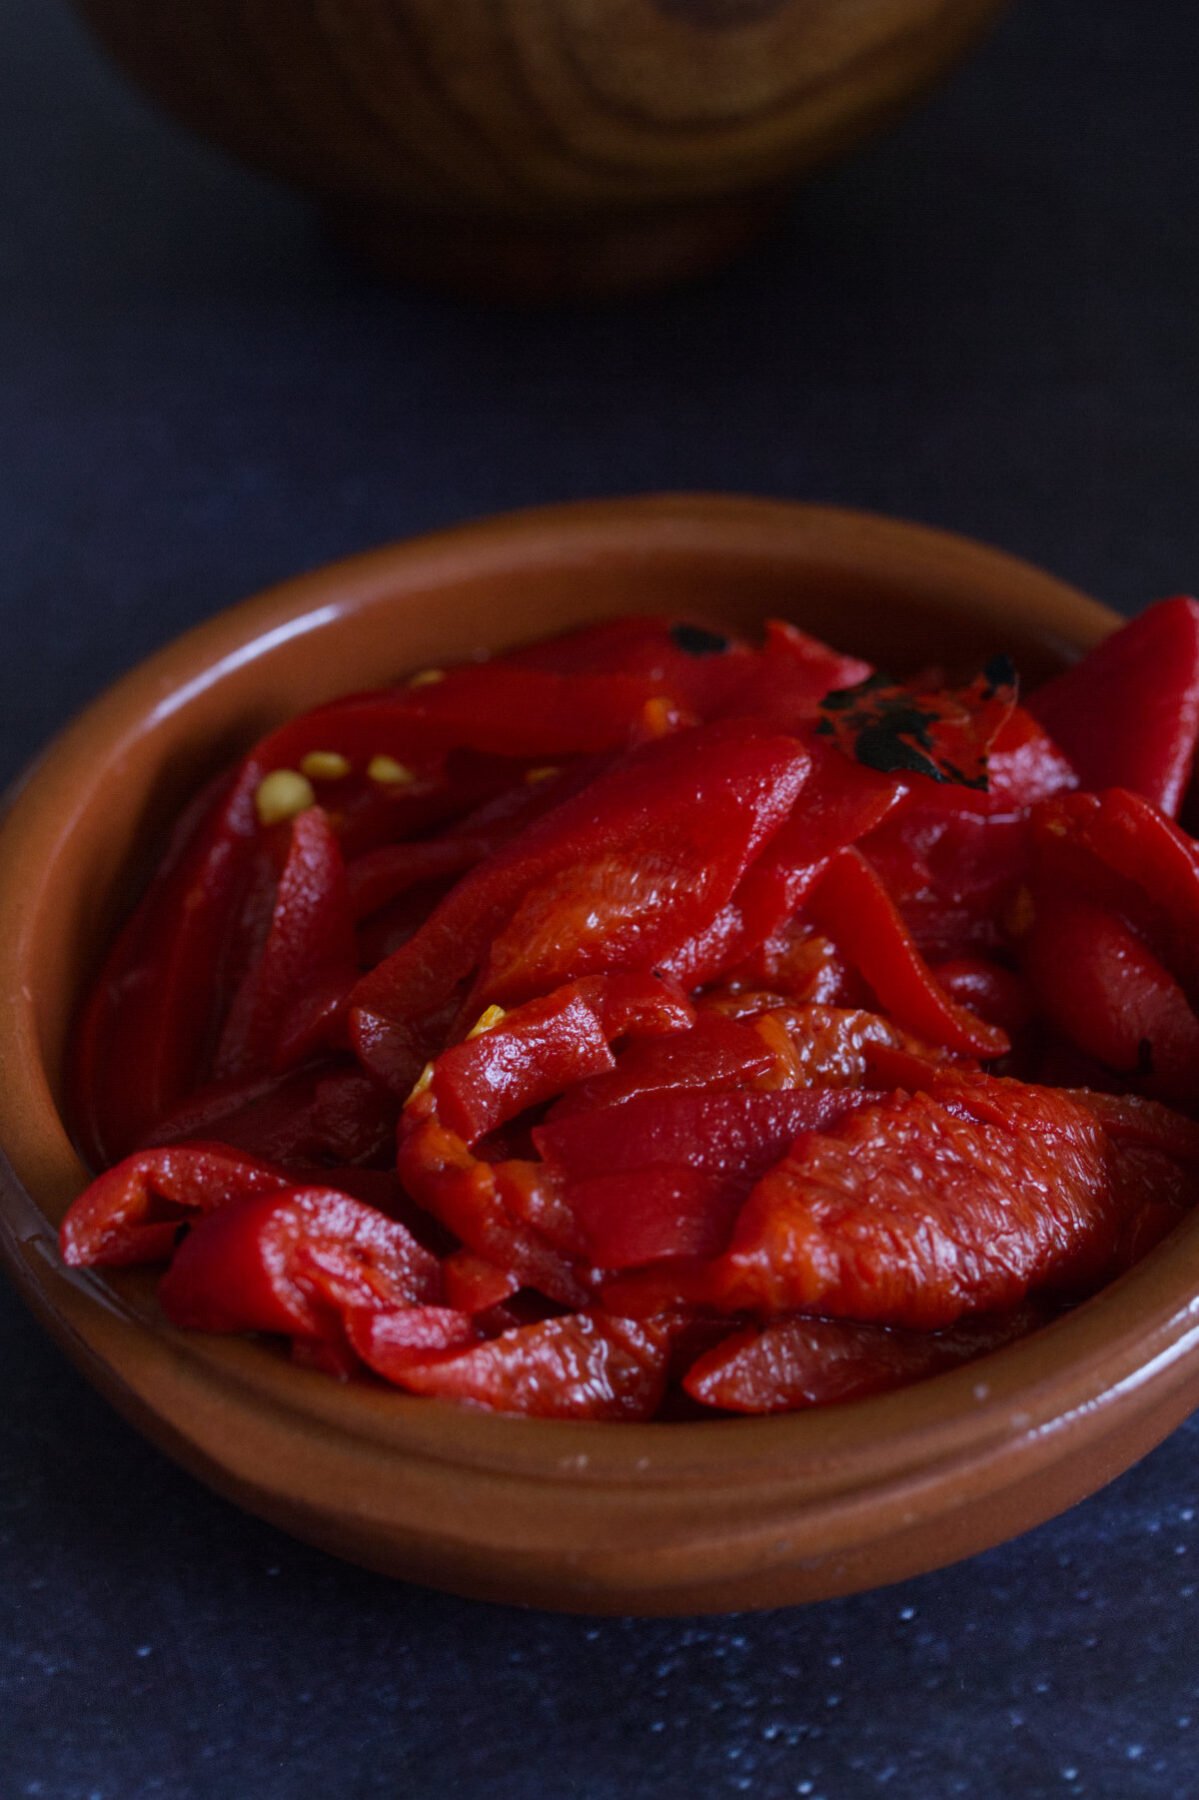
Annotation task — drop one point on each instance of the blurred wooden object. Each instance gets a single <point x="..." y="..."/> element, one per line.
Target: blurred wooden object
<point x="538" y="147"/>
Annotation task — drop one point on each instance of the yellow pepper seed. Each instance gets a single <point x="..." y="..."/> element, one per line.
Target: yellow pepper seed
<point x="659" y="716"/>
<point x="390" y="772"/>
<point x="533" y="776"/>
<point x="426" y="677"/>
<point x="423" y="1081"/>
<point x="324" y="765"/>
<point x="487" y="1020"/>
<point x="281" y="795"/>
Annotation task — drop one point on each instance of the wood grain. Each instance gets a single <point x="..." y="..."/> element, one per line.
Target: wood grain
<point x="545" y="141"/>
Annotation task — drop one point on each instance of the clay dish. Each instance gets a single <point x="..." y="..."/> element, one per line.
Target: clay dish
<point x="540" y="147"/>
<point x="604" y="1518"/>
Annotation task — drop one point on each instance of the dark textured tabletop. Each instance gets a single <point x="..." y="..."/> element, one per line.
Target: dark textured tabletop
<point x="989" y="321"/>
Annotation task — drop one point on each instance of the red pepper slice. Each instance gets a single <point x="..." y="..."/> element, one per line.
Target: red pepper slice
<point x="702" y="667"/>
<point x="740" y="1134"/>
<point x="327" y="1112"/>
<point x="477" y="1086"/>
<point x="851" y="904"/>
<point x="791" y="675"/>
<point x="307" y="964"/>
<point x="642" y="1215"/>
<point x="1127" y="714"/>
<point x="1118" y="847"/>
<point x="988" y="989"/>
<point x="929" y="1206"/>
<point x="616" y="877"/>
<point x="943" y="736"/>
<point x="1107" y="993"/>
<point x="390" y="1342"/>
<point x="132" y="1213"/>
<point x="474" y="1285"/>
<point x="1024" y="765"/>
<point x="716" y="1052"/>
<point x="155" y="1006"/>
<point x="583" y="1366"/>
<point x="798" y="1363"/>
<point x="296" y="1262"/>
<point x="509" y="711"/>
<point x="545" y="1046"/>
<point x="841" y="802"/>
<point x="831" y="1046"/>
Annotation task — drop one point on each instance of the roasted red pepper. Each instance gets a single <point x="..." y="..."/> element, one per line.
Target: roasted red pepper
<point x="295" y="1262"/>
<point x="802" y="1362"/>
<point x="618" y="877"/>
<point x="1127" y="715"/>
<point x="598" y="1031"/>
<point x="930" y="1206"/>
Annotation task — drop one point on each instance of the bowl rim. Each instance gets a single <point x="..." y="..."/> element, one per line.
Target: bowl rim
<point x="841" y="1471"/>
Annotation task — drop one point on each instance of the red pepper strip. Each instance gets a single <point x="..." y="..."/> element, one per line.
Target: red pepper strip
<point x="132" y="1213"/>
<point x="154" y="1009"/>
<point x="1127" y="715"/>
<point x="642" y="1215"/>
<point x="851" y="904"/>
<point x="383" y="874"/>
<point x="477" y="1086"/>
<point x="389" y="1342"/>
<point x="307" y="963"/>
<point x="473" y="1200"/>
<point x="841" y="802"/>
<point x="1154" y="863"/>
<point x="831" y="1046"/>
<point x="473" y="1285"/>
<point x="510" y="711"/>
<point x="1024" y="765"/>
<point x="797" y="1363"/>
<point x="791" y="676"/>
<point x="1145" y="1124"/>
<point x="295" y="1262"/>
<point x="988" y="990"/>
<point x="615" y="877"/>
<point x="741" y="1134"/>
<point x="702" y="667"/>
<point x="157" y="1006"/>
<point x="944" y="736"/>
<point x="715" y="1053"/>
<point x="582" y="1366"/>
<point x="545" y="1046"/>
<point x="797" y="966"/>
<point x="701" y="825"/>
<point x="1098" y="984"/>
<point x="328" y="1112"/>
<point x="926" y="1207"/>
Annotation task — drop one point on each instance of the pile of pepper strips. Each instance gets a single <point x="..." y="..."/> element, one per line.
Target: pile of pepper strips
<point x="756" y="1031"/>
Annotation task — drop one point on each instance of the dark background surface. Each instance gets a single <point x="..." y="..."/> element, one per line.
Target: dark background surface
<point x="990" y="322"/>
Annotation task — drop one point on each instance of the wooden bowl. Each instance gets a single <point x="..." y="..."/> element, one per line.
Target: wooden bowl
<point x="539" y="147"/>
<point x="613" y="1518"/>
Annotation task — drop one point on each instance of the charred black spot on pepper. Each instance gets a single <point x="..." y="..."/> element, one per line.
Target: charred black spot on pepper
<point x="879" y="749"/>
<point x="842" y="699"/>
<point x="943" y="736"/>
<point x="1000" y="672"/>
<point x="696" y="640"/>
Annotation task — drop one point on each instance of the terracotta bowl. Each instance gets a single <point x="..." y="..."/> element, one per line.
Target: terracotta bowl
<point x="539" y="146"/>
<point x="604" y="1518"/>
